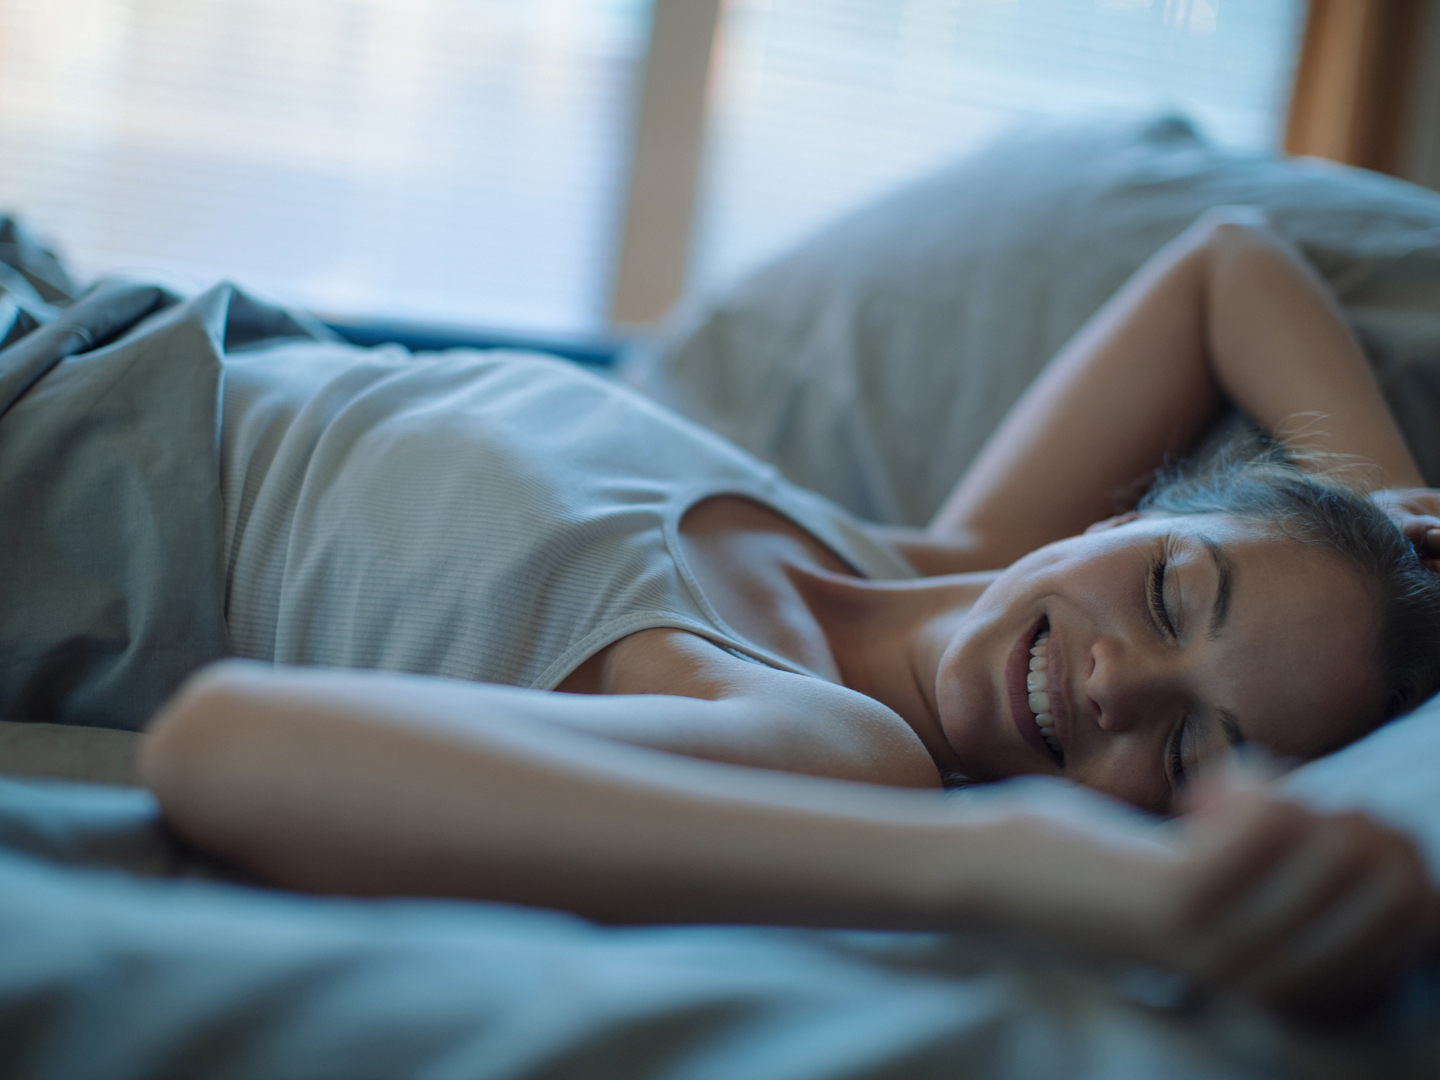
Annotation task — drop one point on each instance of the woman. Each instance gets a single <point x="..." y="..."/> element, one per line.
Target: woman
<point x="701" y="615"/>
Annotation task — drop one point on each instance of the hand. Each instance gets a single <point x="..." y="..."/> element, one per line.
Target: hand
<point x="1416" y="512"/>
<point x="1294" y="907"/>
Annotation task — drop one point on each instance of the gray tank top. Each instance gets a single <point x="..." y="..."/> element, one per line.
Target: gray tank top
<point x="483" y="515"/>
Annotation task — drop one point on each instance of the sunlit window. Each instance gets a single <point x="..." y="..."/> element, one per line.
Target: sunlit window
<point x="465" y="161"/>
<point x="820" y="104"/>
<point x="447" y="159"/>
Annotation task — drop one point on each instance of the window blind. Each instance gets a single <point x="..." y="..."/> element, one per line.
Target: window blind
<point x="462" y="161"/>
<point x="820" y="104"/>
<point x="456" y="160"/>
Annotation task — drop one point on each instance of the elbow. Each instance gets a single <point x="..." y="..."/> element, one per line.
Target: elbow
<point x="194" y="738"/>
<point x="1234" y="225"/>
<point x="1232" y="236"/>
<point x="183" y="735"/>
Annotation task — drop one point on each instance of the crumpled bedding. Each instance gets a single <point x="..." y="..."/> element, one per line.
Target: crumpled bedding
<point x="98" y="630"/>
<point x="122" y="955"/>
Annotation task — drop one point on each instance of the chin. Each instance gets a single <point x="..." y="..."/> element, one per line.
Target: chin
<point x="967" y="706"/>
<point x="972" y="694"/>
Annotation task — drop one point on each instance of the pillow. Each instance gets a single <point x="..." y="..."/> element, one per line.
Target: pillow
<point x="871" y="362"/>
<point x="1392" y="773"/>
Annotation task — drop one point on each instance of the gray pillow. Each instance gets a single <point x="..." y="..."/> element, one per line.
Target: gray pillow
<point x="871" y="362"/>
<point x="69" y="751"/>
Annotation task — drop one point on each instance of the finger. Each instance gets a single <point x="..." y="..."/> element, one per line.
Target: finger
<point x="1235" y="848"/>
<point x="1419" y="526"/>
<point x="1353" y="949"/>
<point x="1354" y="945"/>
<point x="1415" y="527"/>
<point x="1424" y="535"/>
<point x="1297" y="890"/>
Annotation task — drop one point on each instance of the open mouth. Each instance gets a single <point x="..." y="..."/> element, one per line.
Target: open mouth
<point x="1028" y="678"/>
<point x="1037" y="685"/>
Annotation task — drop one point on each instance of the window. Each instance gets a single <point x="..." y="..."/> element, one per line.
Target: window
<point x="821" y="104"/>
<point x="467" y="161"/>
<point x="455" y="160"/>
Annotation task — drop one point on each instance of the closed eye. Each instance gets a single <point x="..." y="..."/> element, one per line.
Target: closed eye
<point x="1177" y="755"/>
<point x="1176" y="748"/>
<point x="1157" y="597"/>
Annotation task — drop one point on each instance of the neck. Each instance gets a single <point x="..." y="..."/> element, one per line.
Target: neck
<point x="887" y="637"/>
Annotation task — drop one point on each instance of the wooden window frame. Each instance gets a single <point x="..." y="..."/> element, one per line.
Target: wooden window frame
<point x="1362" y="95"/>
<point x="665" y="163"/>
<point x="1354" y="85"/>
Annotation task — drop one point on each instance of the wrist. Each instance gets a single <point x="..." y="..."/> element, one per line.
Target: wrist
<point x="960" y="871"/>
<point x="1088" y="891"/>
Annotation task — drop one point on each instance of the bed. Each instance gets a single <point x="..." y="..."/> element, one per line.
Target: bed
<point x="868" y="363"/>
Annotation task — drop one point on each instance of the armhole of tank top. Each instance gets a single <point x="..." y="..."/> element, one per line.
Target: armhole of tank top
<point x="719" y="632"/>
<point x="719" y="636"/>
<point x="821" y="532"/>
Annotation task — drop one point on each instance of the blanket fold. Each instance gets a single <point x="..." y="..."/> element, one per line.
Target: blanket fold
<point x="111" y="516"/>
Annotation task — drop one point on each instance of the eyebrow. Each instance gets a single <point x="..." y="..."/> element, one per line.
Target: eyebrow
<point x="1222" y="585"/>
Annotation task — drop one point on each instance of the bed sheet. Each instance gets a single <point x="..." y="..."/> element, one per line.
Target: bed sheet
<point x="122" y="955"/>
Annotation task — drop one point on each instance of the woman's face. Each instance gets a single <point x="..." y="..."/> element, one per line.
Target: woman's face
<point x="1170" y="639"/>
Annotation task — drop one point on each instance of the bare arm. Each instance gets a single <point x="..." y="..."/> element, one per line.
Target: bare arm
<point x="382" y="784"/>
<point x="1227" y="311"/>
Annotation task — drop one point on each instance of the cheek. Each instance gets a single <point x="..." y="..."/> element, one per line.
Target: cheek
<point x="970" y="701"/>
<point x="1128" y="773"/>
<point x="1300" y="695"/>
<point x="960" y="691"/>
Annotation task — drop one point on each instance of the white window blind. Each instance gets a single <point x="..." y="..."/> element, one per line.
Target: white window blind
<point x="456" y="160"/>
<point x="820" y="104"/>
<point x="462" y="161"/>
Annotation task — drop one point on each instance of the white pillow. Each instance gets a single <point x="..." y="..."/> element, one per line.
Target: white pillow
<point x="1392" y="773"/>
<point x="871" y="362"/>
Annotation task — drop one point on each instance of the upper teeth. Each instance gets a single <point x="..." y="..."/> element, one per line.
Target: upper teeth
<point x="1038" y="684"/>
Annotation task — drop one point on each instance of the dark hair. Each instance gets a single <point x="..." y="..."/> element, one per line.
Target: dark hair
<point x="1339" y="520"/>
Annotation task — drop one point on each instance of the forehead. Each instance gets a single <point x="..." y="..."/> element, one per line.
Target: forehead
<point x="1294" y="660"/>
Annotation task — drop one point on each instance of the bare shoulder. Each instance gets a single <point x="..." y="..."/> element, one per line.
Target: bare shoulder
<point x="774" y="719"/>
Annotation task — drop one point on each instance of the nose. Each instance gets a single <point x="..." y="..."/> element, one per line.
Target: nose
<point x="1130" y="684"/>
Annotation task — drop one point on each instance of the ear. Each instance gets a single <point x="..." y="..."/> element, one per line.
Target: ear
<point x="1111" y="522"/>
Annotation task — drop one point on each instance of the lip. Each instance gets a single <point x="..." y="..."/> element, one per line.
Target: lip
<point x="1015" y="671"/>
